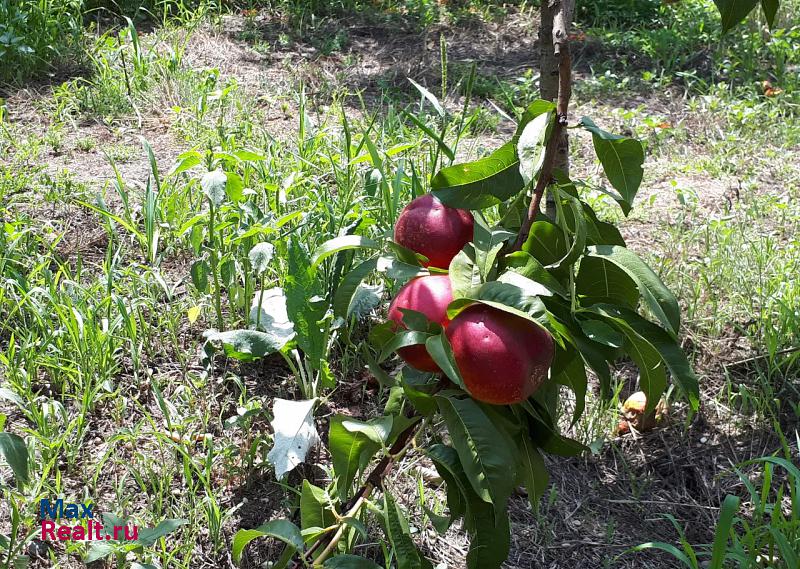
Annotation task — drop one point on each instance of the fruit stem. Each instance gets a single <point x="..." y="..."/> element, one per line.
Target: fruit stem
<point x="561" y="41"/>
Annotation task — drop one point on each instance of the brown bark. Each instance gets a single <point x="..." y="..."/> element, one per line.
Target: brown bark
<point x="556" y="18"/>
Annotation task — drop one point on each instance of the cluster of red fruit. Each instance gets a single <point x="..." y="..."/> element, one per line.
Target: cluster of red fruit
<point x="503" y="358"/>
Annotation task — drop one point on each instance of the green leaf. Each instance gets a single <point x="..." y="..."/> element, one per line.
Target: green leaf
<point x="464" y="273"/>
<point x="349" y="562"/>
<point x="303" y="306"/>
<point x="260" y="256"/>
<point x="283" y="530"/>
<point x="666" y="547"/>
<point x="503" y="296"/>
<point x="622" y="159"/>
<point x="487" y="244"/>
<point x="397" y="530"/>
<point x="600" y="332"/>
<point x="350" y="451"/>
<point x="445" y="459"/>
<point x="148" y="536"/>
<point x="573" y="375"/>
<point x="13" y="449"/>
<point x="200" y="270"/>
<point x="536" y="108"/>
<point x="342" y="243"/>
<point x="345" y="293"/>
<point x="770" y="8"/>
<point x="484" y="452"/>
<point x="402" y="339"/>
<point x="430" y="132"/>
<point x="482" y="183"/>
<point x="726" y="515"/>
<point x="531" y="145"/>
<point x="248" y="345"/>
<point x="734" y="11"/>
<point x="652" y="375"/>
<point x="601" y="281"/>
<point x="490" y="534"/>
<point x="659" y="299"/>
<point x="97" y="551"/>
<point x="577" y="229"/>
<point x="442" y="353"/>
<point x="678" y="365"/>
<point x="315" y="507"/>
<point x="534" y="472"/>
<point x="528" y="266"/>
<point x="546" y="243"/>
<point x="544" y="433"/>
<point x="213" y="184"/>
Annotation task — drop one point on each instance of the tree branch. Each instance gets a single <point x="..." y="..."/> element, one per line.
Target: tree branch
<point x="561" y="23"/>
<point x="374" y="480"/>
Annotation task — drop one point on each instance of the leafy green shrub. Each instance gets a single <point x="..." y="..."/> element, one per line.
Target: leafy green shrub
<point x="35" y="34"/>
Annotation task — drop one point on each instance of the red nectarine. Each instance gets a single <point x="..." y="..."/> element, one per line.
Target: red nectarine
<point x="430" y="228"/>
<point x="503" y="358"/>
<point x="429" y="295"/>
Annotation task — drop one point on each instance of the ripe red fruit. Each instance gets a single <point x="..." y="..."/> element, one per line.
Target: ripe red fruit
<point x="429" y="295"/>
<point x="430" y="228"/>
<point x="502" y="357"/>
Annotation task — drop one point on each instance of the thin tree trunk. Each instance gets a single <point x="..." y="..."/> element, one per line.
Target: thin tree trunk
<point x="555" y="15"/>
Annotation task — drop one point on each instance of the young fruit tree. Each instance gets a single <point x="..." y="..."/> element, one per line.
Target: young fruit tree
<point x="500" y="307"/>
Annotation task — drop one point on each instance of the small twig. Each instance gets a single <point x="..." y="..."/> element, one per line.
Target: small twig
<point x="374" y="480"/>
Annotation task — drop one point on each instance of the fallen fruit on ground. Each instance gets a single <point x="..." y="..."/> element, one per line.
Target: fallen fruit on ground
<point x="503" y="358"/>
<point x="633" y="414"/>
<point x="430" y="228"/>
<point x="429" y="295"/>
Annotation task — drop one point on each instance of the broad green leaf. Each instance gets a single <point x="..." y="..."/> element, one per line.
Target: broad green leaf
<point x="599" y="280"/>
<point x="733" y="12"/>
<point x="577" y="230"/>
<point x="487" y="243"/>
<point x="248" y="345"/>
<point x="573" y="375"/>
<point x="377" y="430"/>
<point x="544" y="431"/>
<point x="342" y="243"/>
<point x="350" y="452"/>
<point x="283" y="530"/>
<point x="343" y="299"/>
<point x="304" y="306"/>
<point x="770" y="8"/>
<point x="397" y="530"/>
<point x="503" y="296"/>
<point x="526" y="285"/>
<point x="600" y="332"/>
<point x="315" y="507"/>
<point x="98" y="550"/>
<point x="622" y="160"/>
<point x="14" y="450"/>
<point x="485" y="454"/>
<point x="678" y="365"/>
<point x="533" y="110"/>
<point x="534" y="472"/>
<point x="213" y="184"/>
<point x="528" y="266"/>
<point x="482" y="183"/>
<point x="148" y="536"/>
<point x="442" y="353"/>
<point x="186" y="161"/>
<point x="531" y="145"/>
<point x="488" y="531"/>
<point x="445" y="459"/>
<point x="260" y="256"/>
<point x="546" y="243"/>
<point x="659" y="299"/>
<point x="402" y="339"/>
<point x="200" y="270"/>
<point x="652" y="374"/>
<point x="349" y="562"/>
<point x="464" y="273"/>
